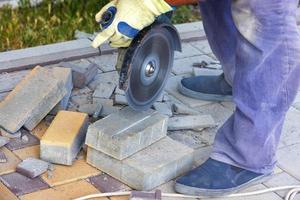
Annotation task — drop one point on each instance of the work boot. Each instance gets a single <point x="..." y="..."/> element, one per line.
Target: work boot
<point x="207" y="88"/>
<point x="215" y="179"/>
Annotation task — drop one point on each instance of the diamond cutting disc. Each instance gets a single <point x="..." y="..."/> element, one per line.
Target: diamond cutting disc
<point x="149" y="65"/>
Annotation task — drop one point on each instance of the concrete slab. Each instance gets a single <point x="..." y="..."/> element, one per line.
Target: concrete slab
<point x="126" y="132"/>
<point x="106" y="63"/>
<point x="149" y="168"/>
<point x="104" y="90"/>
<point x="11" y="164"/>
<point x="109" y="77"/>
<point x="26" y="140"/>
<point x="32" y="167"/>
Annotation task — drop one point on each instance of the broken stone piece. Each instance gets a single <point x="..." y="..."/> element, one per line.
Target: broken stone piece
<point x="32" y="167"/>
<point x="104" y="90"/>
<point x="90" y="109"/>
<point x="10" y="135"/>
<point x="19" y="143"/>
<point x="120" y="99"/>
<point x="163" y="108"/>
<point x="64" y="138"/>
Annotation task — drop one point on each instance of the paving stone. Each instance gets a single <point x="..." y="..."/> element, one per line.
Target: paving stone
<point x="202" y="46"/>
<point x="119" y="91"/>
<point x="206" y="72"/>
<point x="105" y="183"/>
<point x="11" y="164"/>
<point x="28" y="152"/>
<point x="8" y="81"/>
<point x="6" y="194"/>
<point x="81" y="99"/>
<point x="266" y="196"/>
<point x="289" y="159"/>
<point x="291" y="128"/>
<point x="65" y="75"/>
<point x="21" y="185"/>
<point x="64" y="192"/>
<point x="3" y="158"/>
<point x="4" y="133"/>
<point x="120" y="100"/>
<point x="108" y="110"/>
<point x="190" y="122"/>
<point x="90" y="109"/>
<point x="40" y="129"/>
<point x="180" y="108"/>
<point x="163" y="108"/>
<point x="188" y="138"/>
<point x="149" y="168"/>
<point x="31" y="100"/>
<point x="187" y="51"/>
<point x="126" y="132"/>
<point x="171" y="88"/>
<point x="83" y="72"/>
<point x="185" y="65"/>
<point x="3" y="141"/>
<point x="19" y="143"/>
<point x="66" y="174"/>
<point x="64" y="138"/>
<point x="106" y="63"/>
<point x="218" y="112"/>
<point x="282" y="179"/>
<point x="32" y="167"/>
<point x="104" y="102"/>
<point x="104" y="90"/>
<point x="83" y="91"/>
<point x="109" y="77"/>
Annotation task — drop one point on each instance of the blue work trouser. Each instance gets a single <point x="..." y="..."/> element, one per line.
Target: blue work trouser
<point x="258" y="45"/>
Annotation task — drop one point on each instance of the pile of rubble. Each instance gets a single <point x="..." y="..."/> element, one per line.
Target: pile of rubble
<point x="82" y="105"/>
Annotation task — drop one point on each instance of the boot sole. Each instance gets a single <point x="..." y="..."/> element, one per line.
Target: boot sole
<point x="203" y="96"/>
<point x="213" y="193"/>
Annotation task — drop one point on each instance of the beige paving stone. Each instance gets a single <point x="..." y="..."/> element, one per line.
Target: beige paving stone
<point x="64" y="138"/>
<point x="68" y="191"/>
<point x="11" y="164"/>
<point x="5" y="193"/>
<point x="126" y="132"/>
<point x="28" y="152"/>
<point x="66" y="174"/>
<point x="40" y="129"/>
<point x="149" y="168"/>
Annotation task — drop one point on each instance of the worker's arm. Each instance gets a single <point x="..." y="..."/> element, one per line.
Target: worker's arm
<point x="121" y="20"/>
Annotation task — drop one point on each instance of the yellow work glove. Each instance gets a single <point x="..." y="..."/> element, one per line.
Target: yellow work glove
<point x="121" y="20"/>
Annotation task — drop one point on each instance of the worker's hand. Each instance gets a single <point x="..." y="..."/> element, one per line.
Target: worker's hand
<point x="121" y="20"/>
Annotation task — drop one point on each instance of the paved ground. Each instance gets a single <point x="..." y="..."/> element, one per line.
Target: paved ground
<point x="82" y="179"/>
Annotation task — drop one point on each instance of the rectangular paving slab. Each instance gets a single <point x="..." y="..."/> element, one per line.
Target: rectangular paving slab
<point x="126" y="132"/>
<point x="149" y="168"/>
<point x="190" y="122"/>
<point x="64" y="138"/>
<point x="21" y="185"/>
<point x="32" y="167"/>
<point x="31" y="100"/>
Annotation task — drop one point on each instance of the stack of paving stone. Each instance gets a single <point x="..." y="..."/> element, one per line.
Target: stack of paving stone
<point x="133" y="148"/>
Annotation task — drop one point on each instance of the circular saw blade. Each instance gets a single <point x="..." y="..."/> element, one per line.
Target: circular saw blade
<point x="149" y="66"/>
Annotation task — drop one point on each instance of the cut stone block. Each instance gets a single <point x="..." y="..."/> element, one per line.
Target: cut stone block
<point x="11" y="164"/>
<point x="9" y="80"/>
<point x="190" y="122"/>
<point x="149" y="168"/>
<point x="105" y="183"/>
<point x="21" y="185"/>
<point x="65" y="75"/>
<point x="3" y="158"/>
<point x="28" y="152"/>
<point x="83" y="72"/>
<point x="109" y="77"/>
<point x="104" y="90"/>
<point x="32" y="167"/>
<point x="32" y="99"/>
<point x="120" y="99"/>
<point x="3" y="141"/>
<point x="126" y="132"/>
<point x="67" y="174"/>
<point x="90" y="109"/>
<point x="64" y="138"/>
<point x="26" y="140"/>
